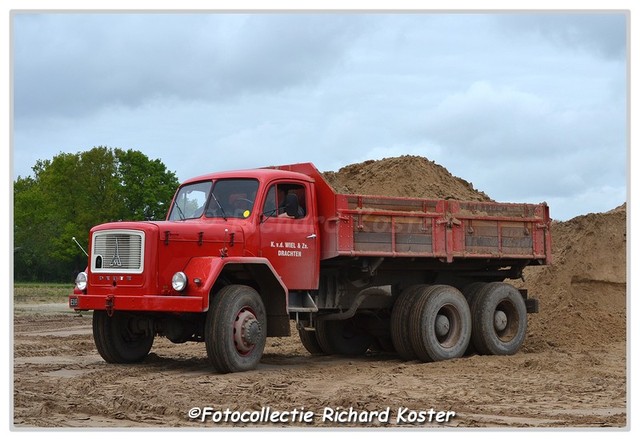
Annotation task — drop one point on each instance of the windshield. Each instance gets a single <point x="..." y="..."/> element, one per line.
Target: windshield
<point x="232" y="198"/>
<point x="190" y="201"/>
<point x="229" y="198"/>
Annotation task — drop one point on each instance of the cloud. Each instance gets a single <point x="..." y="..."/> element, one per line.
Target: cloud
<point x="603" y="34"/>
<point x="516" y="144"/>
<point x="515" y="103"/>
<point x="490" y="120"/>
<point x="78" y="63"/>
<point x="485" y="118"/>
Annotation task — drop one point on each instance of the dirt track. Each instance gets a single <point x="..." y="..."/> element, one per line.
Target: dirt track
<point x="61" y="381"/>
<point x="572" y="371"/>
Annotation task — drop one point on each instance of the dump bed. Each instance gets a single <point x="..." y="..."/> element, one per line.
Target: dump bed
<point x="450" y="230"/>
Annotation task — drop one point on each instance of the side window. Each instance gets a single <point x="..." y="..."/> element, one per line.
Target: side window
<point x="286" y="200"/>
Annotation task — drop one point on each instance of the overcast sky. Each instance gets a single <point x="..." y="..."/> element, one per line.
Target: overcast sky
<point x="529" y="107"/>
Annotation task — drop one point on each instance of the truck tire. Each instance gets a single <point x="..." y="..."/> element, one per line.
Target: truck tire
<point x="499" y="317"/>
<point x="342" y="337"/>
<point x="471" y="290"/>
<point x="440" y="325"/>
<point x="117" y="338"/>
<point x="470" y="293"/>
<point x="235" y="329"/>
<point x="310" y="341"/>
<point x="400" y="318"/>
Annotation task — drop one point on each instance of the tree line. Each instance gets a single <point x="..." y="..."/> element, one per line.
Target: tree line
<point x="72" y="192"/>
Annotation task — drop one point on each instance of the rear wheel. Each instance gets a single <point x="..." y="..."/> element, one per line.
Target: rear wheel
<point x="310" y="341"/>
<point x="235" y="329"/>
<point x="400" y="318"/>
<point x="123" y="337"/>
<point x="471" y="290"/>
<point x="343" y="337"/>
<point x="470" y="293"/>
<point x="440" y="326"/>
<point x="499" y="320"/>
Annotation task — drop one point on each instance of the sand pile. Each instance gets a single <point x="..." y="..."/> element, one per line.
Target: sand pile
<point x="410" y="176"/>
<point x="582" y="295"/>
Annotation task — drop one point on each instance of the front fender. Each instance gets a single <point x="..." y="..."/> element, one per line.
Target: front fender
<point x="204" y="272"/>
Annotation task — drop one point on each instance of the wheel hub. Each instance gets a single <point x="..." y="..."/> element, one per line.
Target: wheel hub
<point x="500" y="320"/>
<point x="442" y="325"/>
<point x="251" y="331"/>
<point x="246" y="331"/>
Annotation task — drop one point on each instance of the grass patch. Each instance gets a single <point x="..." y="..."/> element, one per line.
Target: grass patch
<point x="41" y="292"/>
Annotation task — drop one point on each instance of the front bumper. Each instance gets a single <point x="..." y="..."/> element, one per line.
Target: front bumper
<point x="151" y="303"/>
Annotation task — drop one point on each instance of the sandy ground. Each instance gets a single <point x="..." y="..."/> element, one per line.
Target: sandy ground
<point x="61" y="381"/>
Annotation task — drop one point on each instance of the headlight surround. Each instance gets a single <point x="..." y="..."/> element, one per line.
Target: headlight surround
<point x="179" y="281"/>
<point x="81" y="281"/>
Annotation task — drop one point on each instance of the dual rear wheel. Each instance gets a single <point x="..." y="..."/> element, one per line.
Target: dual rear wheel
<point x="435" y="322"/>
<point x="439" y="322"/>
<point x="431" y="323"/>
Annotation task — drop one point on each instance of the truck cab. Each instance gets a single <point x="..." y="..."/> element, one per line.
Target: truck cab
<point x="273" y="212"/>
<point x="254" y="230"/>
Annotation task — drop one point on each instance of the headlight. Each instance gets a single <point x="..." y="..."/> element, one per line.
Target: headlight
<point x="179" y="281"/>
<point x="81" y="281"/>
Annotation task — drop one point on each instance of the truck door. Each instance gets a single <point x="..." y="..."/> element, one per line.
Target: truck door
<point x="289" y="234"/>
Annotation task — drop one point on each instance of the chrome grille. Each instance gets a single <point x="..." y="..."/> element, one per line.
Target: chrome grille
<point x="120" y="251"/>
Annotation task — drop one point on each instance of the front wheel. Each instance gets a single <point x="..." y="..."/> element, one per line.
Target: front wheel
<point x="122" y="337"/>
<point x="235" y="329"/>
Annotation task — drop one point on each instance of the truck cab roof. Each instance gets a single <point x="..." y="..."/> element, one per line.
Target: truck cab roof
<point x="261" y="174"/>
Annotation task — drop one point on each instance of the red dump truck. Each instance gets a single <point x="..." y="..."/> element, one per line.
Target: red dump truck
<point x="242" y="254"/>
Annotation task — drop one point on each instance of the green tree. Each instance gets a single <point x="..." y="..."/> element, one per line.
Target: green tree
<point x="146" y="187"/>
<point x="71" y="193"/>
<point x="27" y="229"/>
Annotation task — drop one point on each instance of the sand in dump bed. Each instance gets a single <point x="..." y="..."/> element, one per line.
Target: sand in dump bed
<point x="571" y="372"/>
<point x="410" y="176"/>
